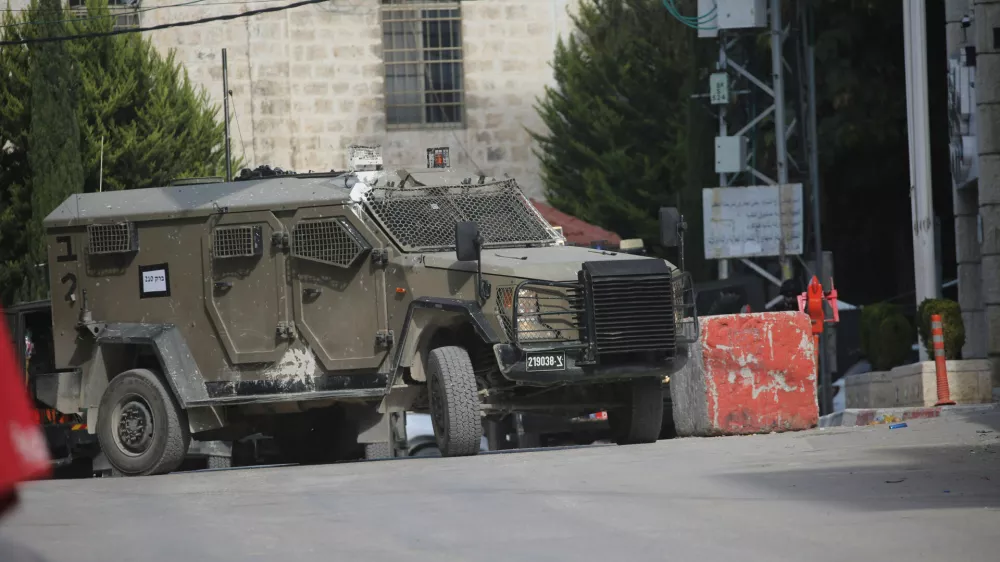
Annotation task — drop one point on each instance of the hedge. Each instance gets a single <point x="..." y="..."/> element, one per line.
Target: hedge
<point x="951" y="319"/>
<point x="886" y="335"/>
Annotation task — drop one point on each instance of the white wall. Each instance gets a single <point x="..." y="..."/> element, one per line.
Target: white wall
<point x="308" y="82"/>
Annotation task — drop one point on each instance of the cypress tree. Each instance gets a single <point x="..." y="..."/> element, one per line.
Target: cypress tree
<point x="53" y="139"/>
<point x="615" y="149"/>
<point x="156" y="126"/>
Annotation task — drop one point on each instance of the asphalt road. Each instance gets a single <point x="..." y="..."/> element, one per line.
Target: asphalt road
<point x="930" y="491"/>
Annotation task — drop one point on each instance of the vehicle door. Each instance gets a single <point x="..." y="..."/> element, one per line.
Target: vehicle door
<point x="18" y="347"/>
<point x="245" y="285"/>
<point x="338" y="287"/>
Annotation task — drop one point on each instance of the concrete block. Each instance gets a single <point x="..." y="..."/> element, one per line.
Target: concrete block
<point x="915" y="385"/>
<point x="688" y="391"/>
<point x="991" y="317"/>
<point x="970" y="282"/>
<point x="987" y="16"/>
<point x="975" y="334"/>
<point x="756" y="374"/>
<point x="867" y="390"/>
<point x="987" y="64"/>
<point x="990" y="281"/>
<point x="967" y="238"/>
<point x="989" y="177"/>
<point x="991" y="229"/>
<point x="987" y="138"/>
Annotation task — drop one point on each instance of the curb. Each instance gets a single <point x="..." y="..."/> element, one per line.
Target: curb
<point x="876" y="416"/>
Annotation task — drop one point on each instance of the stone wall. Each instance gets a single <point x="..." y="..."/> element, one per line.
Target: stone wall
<point x="308" y="82"/>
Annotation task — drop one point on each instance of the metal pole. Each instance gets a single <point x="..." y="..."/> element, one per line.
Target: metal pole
<point x="225" y="109"/>
<point x="780" y="144"/>
<point x="723" y="180"/>
<point x="808" y="30"/>
<point x="921" y="200"/>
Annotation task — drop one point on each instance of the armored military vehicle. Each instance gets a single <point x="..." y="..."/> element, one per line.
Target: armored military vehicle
<point x="317" y="307"/>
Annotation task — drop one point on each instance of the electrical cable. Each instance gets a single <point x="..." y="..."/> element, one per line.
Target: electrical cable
<point x="186" y="23"/>
<point x="239" y="130"/>
<point x="206" y="2"/>
<point x="694" y="22"/>
<point x="92" y="18"/>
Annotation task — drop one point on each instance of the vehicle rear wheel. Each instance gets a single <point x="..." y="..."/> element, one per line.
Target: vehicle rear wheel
<point x="640" y="419"/>
<point x="454" y="401"/>
<point x="140" y="427"/>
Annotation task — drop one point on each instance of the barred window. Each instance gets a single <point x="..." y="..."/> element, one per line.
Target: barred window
<point x="422" y="54"/>
<point x="123" y="13"/>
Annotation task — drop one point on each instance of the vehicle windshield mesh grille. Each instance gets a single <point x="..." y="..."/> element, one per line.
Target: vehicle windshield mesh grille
<point x="332" y="241"/>
<point x="423" y="218"/>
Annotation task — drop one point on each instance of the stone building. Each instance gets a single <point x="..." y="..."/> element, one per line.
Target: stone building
<point x="405" y="74"/>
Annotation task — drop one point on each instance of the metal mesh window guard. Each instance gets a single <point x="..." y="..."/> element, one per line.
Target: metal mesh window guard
<point x="422" y="55"/>
<point x="124" y="13"/>
<point x="423" y="218"/>
<point x="331" y="241"/>
<point x="237" y="241"/>
<point x="113" y="238"/>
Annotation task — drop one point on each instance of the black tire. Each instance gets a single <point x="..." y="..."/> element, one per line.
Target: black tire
<point x="374" y="451"/>
<point x="641" y="418"/>
<point x="158" y="440"/>
<point x="454" y="402"/>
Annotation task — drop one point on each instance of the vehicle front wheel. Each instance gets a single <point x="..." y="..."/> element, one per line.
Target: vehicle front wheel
<point x="140" y="427"/>
<point x="640" y="417"/>
<point x="454" y="401"/>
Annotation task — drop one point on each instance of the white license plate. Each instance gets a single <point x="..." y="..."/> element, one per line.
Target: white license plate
<point x="546" y="361"/>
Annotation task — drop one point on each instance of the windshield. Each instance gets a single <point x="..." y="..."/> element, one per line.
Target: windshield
<point x="423" y="218"/>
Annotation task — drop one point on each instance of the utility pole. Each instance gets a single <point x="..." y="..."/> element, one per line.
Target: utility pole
<point x="780" y="130"/>
<point x="812" y="135"/>
<point x="921" y="199"/>
<point x="723" y="177"/>
<point x="225" y="109"/>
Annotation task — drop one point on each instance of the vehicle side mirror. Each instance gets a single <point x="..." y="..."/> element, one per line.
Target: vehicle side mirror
<point x="671" y="227"/>
<point x="467" y="241"/>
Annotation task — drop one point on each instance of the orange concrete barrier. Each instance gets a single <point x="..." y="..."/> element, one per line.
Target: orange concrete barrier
<point x="752" y="373"/>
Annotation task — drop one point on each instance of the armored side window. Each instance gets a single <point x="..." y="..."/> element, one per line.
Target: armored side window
<point x="331" y="241"/>
<point x="237" y="241"/>
<point x="112" y="238"/>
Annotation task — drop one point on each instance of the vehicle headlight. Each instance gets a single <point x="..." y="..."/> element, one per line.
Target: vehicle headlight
<point x="529" y="324"/>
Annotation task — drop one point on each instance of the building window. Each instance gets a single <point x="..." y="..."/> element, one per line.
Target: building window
<point x="422" y="53"/>
<point x="124" y="13"/>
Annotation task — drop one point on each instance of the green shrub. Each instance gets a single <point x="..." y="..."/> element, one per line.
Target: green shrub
<point x="886" y="335"/>
<point x="951" y="319"/>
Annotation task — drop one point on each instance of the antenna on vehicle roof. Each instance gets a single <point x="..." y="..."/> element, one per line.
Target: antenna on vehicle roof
<point x="225" y="109"/>
<point x="100" y="175"/>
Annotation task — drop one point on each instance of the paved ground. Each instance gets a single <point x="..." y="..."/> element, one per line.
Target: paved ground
<point x="927" y="492"/>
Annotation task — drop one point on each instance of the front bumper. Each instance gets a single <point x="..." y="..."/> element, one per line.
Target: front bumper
<point x="513" y="365"/>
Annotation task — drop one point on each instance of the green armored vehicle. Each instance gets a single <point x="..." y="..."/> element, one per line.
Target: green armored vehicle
<point x="317" y="308"/>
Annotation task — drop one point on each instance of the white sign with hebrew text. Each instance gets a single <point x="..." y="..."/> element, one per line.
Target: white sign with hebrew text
<point x="754" y="221"/>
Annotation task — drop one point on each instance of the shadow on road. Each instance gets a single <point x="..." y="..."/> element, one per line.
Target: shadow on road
<point x="894" y="479"/>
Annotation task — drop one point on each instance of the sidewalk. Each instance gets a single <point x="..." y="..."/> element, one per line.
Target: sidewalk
<point x="873" y="416"/>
